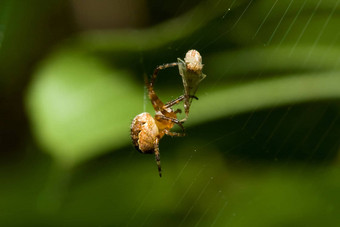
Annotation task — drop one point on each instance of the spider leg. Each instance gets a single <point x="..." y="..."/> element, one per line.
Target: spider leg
<point x="156" y="102"/>
<point x="174" y="133"/>
<point x="158" y="157"/>
<point x="176" y="101"/>
<point x="174" y="120"/>
<point x="161" y="67"/>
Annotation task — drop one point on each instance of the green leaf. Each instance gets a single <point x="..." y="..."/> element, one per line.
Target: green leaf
<point x="79" y="107"/>
<point x="264" y="94"/>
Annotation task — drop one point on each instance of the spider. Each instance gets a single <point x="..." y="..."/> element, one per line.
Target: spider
<point x="147" y="131"/>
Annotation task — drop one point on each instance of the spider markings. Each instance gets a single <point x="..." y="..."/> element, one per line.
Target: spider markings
<point x="147" y="131"/>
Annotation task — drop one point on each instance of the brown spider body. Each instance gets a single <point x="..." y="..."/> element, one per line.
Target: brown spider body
<point x="144" y="132"/>
<point x="147" y="131"/>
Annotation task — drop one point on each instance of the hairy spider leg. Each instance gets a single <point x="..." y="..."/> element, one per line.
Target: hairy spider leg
<point x="173" y="120"/>
<point x="174" y="133"/>
<point x="178" y="100"/>
<point x="158" y="157"/>
<point x="161" y="67"/>
<point x="174" y="102"/>
<point x="157" y="104"/>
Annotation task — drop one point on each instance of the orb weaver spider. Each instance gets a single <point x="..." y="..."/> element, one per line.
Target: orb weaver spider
<point x="147" y="131"/>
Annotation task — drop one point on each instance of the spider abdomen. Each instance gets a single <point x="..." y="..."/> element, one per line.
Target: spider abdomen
<point x="144" y="133"/>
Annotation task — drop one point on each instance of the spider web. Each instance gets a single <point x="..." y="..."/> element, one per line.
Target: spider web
<point x="203" y="167"/>
<point x="243" y="162"/>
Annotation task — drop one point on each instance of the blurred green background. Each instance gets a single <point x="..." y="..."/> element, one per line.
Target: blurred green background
<point x="262" y="144"/>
